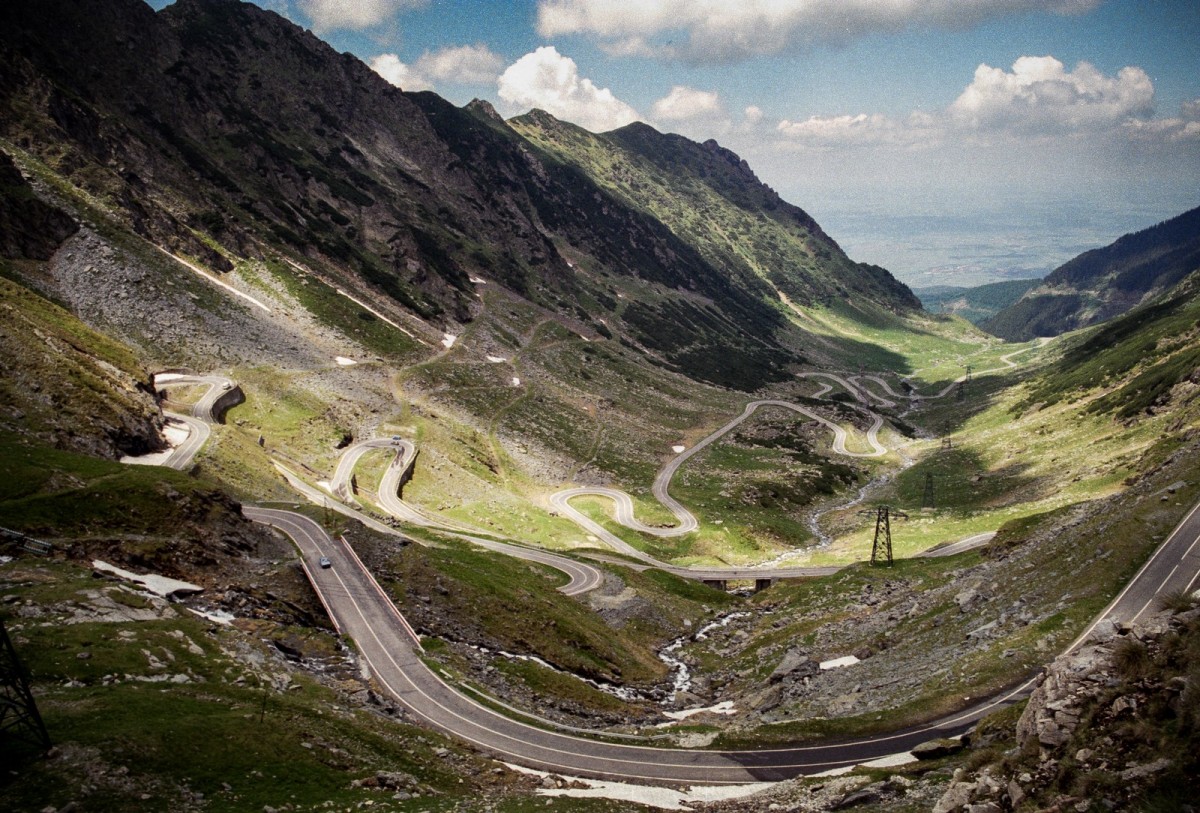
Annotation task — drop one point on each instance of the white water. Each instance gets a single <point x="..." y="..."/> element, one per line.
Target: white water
<point x="683" y="676"/>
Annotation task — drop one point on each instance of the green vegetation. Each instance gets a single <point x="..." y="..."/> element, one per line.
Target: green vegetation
<point x="487" y="590"/>
<point x="164" y="715"/>
<point x="977" y="304"/>
<point x="58" y="493"/>
<point x="337" y="311"/>
<point x="1155" y="343"/>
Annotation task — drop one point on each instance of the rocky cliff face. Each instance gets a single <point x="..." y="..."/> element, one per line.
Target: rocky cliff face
<point x="222" y="131"/>
<point x="1105" y="282"/>
<point x="1112" y="726"/>
<point x="29" y="228"/>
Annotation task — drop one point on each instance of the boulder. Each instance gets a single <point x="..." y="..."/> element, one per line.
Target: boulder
<point x="936" y="749"/>
<point x="795" y="664"/>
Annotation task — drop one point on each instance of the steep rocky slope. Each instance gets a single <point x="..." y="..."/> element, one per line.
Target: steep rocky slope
<point x="222" y="131"/>
<point x="977" y="304"/>
<point x="1105" y="282"/>
<point x="1112" y="726"/>
<point x="711" y="198"/>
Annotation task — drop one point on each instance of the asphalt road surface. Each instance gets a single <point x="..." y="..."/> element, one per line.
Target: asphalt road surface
<point x="391" y="649"/>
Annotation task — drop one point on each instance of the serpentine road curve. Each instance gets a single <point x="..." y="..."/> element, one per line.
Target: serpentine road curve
<point x="390" y="648"/>
<point x="686" y="520"/>
<point x="204" y="413"/>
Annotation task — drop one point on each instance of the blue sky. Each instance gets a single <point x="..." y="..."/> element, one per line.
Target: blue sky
<point x="952" y="141"/>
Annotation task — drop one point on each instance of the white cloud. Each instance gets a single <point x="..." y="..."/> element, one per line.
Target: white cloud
<point x="1038" y="98"/>
<point x="1040" y="95"/>
<point x="753" y="115"/>
<point x="399" y="74"/>
<point x="331" y="15"/>
<point x="548" y="80"/>
<point x="828" y="133"/>
<point x="687" y="103"/>
<point x="719" y="30"/>
<point x="463" y="64"/>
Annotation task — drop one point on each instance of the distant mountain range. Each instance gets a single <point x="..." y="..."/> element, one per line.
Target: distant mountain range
<point x="977" y="304"/>
<point x="1105" y="282"/>
<point x="216" y="129"/>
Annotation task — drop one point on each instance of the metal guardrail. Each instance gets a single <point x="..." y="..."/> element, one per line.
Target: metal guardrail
<point x="27" y="543"/>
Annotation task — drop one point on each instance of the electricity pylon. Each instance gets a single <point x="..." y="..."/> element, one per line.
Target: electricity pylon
<point x="881" y="548"/>
<point x="18" y="710"/>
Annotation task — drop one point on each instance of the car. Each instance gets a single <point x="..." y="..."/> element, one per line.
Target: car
<point x="325" y="563"/>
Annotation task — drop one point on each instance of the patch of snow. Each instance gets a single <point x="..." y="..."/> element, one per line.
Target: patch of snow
<point x="836" y="663"/>
<point x="5" y="560"/>
<point x="516" y="381"/>
<point x="662" y="798"/>
<point x="159" y="585"/>
<point x="677" y="448"/>
<point x="344" y="362"/>
<point x="477" y="280"/>
<point x="890" y="761"/>
<point x="497" y="359"/>
<point x="174" y="432"/>
<point x="448" y="340"/>
<point x="724" y="707"/>
<point x="218" y="616"/>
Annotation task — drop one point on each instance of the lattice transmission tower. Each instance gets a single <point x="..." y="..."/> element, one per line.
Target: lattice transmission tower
<point x="18" y="711"/>
<point x="881" y="548"/>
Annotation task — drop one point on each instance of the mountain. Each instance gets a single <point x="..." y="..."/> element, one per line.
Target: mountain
<point x="1104" y="282"/>
<point x="712" y="199"/>
<point x="977" y="304"/>
<point x="222" y="131"/>
<point x="1136" y="363"/>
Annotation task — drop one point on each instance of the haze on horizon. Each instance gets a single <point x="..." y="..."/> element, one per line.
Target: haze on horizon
<point x="951" y="141"/>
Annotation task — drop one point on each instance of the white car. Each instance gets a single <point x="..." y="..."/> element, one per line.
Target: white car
<point x="325" y="563"/>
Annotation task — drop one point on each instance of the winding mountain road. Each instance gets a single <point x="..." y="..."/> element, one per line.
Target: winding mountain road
<point x="581" y="576"/>
<point x="686" y="521"/>
<point x="221" y="392"/>
<point x="391" y="649"/>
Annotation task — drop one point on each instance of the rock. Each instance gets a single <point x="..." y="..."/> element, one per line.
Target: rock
<point x="936" y="749"/>
<point x="956" y="798"/>
<point x="985" y="807"/>
<point x="982" y="632"/>
<point x="395" y="780"/>
<point x="795" y="663"/>
<point x="1142" y="771"/>
<point x="1124" y="703"/>
<point x="867" y="796"/>
<point x="965" y="598"/>
<point x="1106" y="629"/>
<point x="1016" y="794"/>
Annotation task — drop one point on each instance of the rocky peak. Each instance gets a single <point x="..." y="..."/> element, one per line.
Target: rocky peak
<point x="485" y="109"/>
<point x="1124" y="706"/>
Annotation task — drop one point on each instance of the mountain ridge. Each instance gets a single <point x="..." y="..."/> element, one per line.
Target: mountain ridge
<point x="220" y="130"/>
<point x="1105" y="282"/>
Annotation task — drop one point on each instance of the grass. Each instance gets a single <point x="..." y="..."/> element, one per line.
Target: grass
<point x="330" y="308"/>
<point x="57" y="493"/>
<point x="486" y="590"/>
<point x="230" y="735"/>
